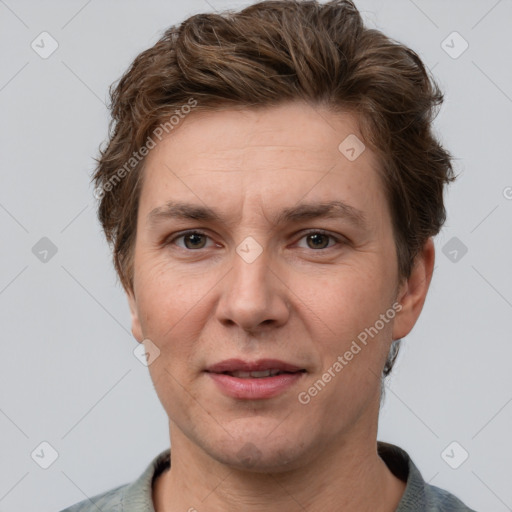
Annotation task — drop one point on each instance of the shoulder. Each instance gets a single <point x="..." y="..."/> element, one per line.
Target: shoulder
<point x="440" y="499"/>
<point x="131" y="497"/>
<point x="419" y="496"/>
<point x="110" y="501"/>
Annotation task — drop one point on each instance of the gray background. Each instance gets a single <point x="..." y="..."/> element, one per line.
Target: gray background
<point x="68" y="375"/>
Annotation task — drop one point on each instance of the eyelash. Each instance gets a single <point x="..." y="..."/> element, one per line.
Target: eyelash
<point x="338" y="240"/>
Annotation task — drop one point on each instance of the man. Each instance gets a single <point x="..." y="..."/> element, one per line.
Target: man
<point x="271" y="188"/>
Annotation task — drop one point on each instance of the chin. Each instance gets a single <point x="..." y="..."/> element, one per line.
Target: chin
<point x="261" y="453"/>
<point x="251" y="458"/>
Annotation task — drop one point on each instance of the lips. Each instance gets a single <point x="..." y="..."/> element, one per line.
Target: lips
<point x="262" y="379"/>
<point x="256" y="369"/>
<point x="255" y="375"/>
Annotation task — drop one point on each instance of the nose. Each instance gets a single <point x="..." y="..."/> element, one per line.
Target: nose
<point x="253" y="296"/>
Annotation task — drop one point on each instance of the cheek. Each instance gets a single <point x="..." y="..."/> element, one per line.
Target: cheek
<point x="177" y="396"/>
<point x="343" y="311"/>
<point x="348" y="300"/>
<point x="166" y="293"/>
<point x="165" y="308"/>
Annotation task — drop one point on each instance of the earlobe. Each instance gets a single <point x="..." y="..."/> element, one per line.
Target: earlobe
<point x="136" y="327"/>
<point x="413" y="291"/>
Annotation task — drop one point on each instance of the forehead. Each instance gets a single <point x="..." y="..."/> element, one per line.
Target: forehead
<point x="287" y="151"/>
<point x="297" y="129"/>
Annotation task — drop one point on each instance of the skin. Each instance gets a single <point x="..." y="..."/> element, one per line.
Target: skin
<point x="303" y="300"/>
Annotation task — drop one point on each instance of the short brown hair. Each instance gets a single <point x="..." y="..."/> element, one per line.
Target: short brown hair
<point x="267" y="54"/>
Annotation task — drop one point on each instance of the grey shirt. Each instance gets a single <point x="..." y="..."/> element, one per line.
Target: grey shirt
<point x="418" y="495"/>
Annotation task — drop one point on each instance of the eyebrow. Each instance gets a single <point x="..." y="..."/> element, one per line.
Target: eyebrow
<point x="303" y="211"/>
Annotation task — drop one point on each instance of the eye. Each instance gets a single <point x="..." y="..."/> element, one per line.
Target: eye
<point x="191" y="239"/>
<point x="195" y="240"/>
<point x="317" y="239"/>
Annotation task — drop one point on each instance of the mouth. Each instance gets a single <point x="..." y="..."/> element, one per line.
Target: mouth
<point x="239" y="374"/>
<point x="255" y="369"/>
<point x="260" y="379"/>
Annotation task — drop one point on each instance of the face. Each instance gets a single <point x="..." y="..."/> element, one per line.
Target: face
<point x="252" y="271"/>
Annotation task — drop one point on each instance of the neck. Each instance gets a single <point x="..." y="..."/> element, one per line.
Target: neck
<point x="350" y="477"/>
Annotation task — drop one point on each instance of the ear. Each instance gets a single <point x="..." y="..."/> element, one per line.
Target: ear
<point x="136" y="327"/>
<point x="413" y="292"/>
